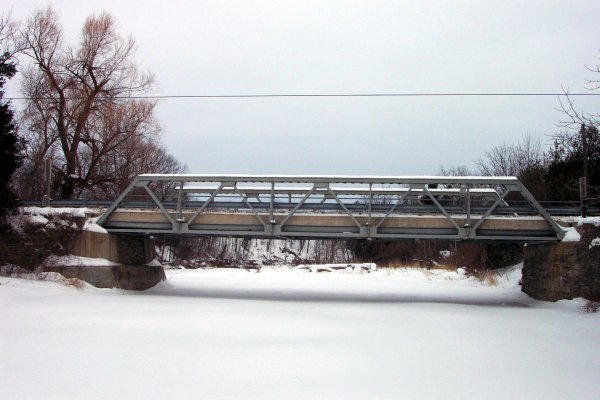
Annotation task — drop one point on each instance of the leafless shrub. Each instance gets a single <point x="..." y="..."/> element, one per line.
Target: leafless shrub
<point x="73" y="282"/>
<point x="489" y="277"/>
<point x="589" y="306"/>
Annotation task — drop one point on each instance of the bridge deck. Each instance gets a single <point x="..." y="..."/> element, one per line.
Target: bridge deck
<point x="330" y="225"/>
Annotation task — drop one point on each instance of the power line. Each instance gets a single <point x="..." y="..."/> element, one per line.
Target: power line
<point x="241" y="96"/>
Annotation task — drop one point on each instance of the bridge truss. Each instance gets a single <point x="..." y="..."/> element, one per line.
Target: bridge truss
<point x="359" y="207"/>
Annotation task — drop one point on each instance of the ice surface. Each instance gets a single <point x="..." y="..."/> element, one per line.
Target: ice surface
<point x="291" y="334"/>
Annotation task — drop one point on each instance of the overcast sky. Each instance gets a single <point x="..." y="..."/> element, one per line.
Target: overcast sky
<point x="324" y="47"/>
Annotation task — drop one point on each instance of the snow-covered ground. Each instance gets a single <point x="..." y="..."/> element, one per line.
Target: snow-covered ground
<point x="292" y="334"/>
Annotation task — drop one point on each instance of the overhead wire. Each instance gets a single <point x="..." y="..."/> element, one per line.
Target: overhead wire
<point x="283" y="95"/>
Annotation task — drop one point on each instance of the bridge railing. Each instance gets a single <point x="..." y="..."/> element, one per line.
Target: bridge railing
<point x="366" y="202"/>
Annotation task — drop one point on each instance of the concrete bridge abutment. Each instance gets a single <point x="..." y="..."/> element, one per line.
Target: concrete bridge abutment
<point x="121" y="249"/>
<point x="129" y="256"/>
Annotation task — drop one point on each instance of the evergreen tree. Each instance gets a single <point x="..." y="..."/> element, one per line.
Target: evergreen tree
<point x="566" y="164"/>
<point x="10" y="144"/>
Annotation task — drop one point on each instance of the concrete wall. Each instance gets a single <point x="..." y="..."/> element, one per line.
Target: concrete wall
<point x="130" y="252"/>
<point x="129" y="277"/>
<point x="122" y="249"/>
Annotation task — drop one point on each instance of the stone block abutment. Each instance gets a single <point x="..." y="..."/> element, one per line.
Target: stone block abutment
<point x="564" y="270"/>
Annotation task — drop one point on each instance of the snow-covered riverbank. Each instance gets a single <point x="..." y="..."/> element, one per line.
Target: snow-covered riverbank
<point x="293" y="334"/>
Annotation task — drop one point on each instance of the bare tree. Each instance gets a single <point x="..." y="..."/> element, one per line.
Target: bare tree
<point x="80" y="109"/>
<point x="573" y="117"/>
<point x="576" y="151"/>
<point x="512" y="159"/>
<point x="526" y="160"/>
<point x="8" y="37"/>
<point x="459" y="170"/>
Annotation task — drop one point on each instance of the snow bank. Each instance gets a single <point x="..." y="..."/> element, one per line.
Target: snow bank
<point x="154" y="263"/>
<point x="91" y="226"/>
<point x="14" y="271"/>
<point x="571" y="235"/>
<point x="589" y="220"/>
<point x="71" y="260"/>
<point x="56" y="211"/>
<point x="34" y="220"/>
<point x="349" y="267"/>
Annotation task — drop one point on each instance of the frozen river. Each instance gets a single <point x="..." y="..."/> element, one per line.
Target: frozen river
<point x="292" y="334"/>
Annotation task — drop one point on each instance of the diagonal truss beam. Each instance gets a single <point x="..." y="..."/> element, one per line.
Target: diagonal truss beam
<point x="442" y="209"/>
<point x="245" y="200"/>
<point x="489" y="211"/>
<point x="306" y="196"/>
<point x="159" y="204"/>
<point x="118" y="201"/>
<point x="206" y="203"/>
<point x="344" y="207"/>
<point x="400" y="200"/>
<point x="560" y="232"/>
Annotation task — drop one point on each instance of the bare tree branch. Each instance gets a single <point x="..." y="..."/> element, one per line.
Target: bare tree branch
<point x="76" y="111"/>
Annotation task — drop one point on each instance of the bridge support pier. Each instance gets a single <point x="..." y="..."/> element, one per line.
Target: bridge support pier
<point x="563" y="270"/>
<point x="131" y="254"/>
<point x="121" y="249"/>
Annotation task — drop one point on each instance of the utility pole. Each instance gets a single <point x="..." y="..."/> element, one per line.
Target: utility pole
<point x="583" y="180"/>
<point x="48" y="181"/>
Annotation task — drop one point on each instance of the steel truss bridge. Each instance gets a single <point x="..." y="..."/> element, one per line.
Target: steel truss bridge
<point x="338" y="207"/>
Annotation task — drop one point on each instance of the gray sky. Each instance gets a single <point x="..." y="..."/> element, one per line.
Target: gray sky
<point x="264" y="47"/>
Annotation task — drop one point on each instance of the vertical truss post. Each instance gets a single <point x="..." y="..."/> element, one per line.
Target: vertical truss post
<point x="179" y="198"/>
<point x="370" y="203"/>
<point x="468" y="203"/>
<point x="272" y="203"/>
